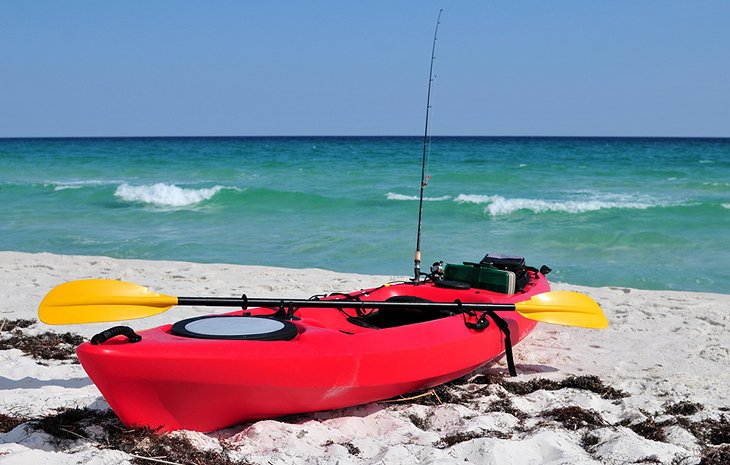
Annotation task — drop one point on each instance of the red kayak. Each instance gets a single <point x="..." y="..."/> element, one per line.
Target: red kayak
<point x="209" y="373"/>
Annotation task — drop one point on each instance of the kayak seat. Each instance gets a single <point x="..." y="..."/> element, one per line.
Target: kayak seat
<point x="390" y="318"/>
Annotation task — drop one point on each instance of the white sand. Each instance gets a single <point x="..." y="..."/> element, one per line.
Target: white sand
<point x="661" y="348"/>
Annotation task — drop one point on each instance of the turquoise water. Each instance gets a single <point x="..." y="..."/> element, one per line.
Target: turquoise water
<point x="645" y="213"/>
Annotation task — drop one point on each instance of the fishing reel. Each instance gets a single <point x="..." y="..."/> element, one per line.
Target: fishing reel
<point x="437" y="271"/>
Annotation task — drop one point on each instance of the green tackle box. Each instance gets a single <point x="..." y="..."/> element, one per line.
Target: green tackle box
<point x="482" y="277"/>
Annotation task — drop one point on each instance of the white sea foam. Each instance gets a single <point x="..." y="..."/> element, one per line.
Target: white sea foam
<point x="726" y="205"/>
<point x="474" y="198"/>
<point x="165" y="195"/>
<point x="500" y="206"/>
<point x="65" y="185"/>
<point x="497" y="205"/>
<point x="394" y="196"/>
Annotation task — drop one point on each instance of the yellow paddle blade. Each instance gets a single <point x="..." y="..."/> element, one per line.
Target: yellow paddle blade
<point x="98" y="300"/>
<point x="563" y="308"/>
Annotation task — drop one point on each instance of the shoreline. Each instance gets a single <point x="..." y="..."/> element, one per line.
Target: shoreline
<point x="10" y="256"/>
<point x="661" y="348"/>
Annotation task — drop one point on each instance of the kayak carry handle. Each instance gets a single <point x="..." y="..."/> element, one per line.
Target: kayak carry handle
<point x="105" y="335"/>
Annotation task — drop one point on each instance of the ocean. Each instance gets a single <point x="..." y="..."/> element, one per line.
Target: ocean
<point x="632" y="212"/>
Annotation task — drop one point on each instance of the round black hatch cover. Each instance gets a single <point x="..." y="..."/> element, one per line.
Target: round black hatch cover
<point x="249" y="328"/>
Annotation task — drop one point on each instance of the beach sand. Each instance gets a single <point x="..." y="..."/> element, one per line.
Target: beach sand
<point x="669" y="352"/>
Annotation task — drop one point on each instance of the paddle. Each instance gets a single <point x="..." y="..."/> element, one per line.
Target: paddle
<point x="100" y="300"/>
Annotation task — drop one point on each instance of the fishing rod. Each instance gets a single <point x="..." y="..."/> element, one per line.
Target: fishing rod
<point x="426" y="143"/>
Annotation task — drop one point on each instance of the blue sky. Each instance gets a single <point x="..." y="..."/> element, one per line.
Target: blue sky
<point x="187" y="68"/>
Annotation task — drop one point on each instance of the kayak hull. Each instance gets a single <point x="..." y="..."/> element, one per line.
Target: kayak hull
<point x="171" y="382"/>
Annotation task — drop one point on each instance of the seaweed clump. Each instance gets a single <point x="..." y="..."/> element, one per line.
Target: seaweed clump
<point x="44" y="346"/>
<point x="68" y="425"/>
<point x="683" y="408"/>
<point x="650" y="429"/>
<point x="574" y="417"/>
<point x="463" y="436"/>
<point x="715" y="455"/>
<point x="586" y="383"/>
<point x="11" y="325"/>
<point x="8" y="423"/>
<point x="450" y="392"/>
<point x="709" y="430"/>
<point x="504" y="404"/>
<point x="442" y="394"/>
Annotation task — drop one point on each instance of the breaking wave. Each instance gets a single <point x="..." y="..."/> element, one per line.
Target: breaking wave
<point x="500" y="206"/>
<point x="477" y="199"/>
<point x="496" y="205"/>
<point x="165" y="195"/>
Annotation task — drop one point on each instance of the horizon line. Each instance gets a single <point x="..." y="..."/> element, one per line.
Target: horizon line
<point x="362" y="136"/>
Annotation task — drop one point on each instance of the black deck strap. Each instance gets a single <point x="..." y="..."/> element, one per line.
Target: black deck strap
<point x="504" y="327"/>
<point x="481" y="324"/>
<point x="104" y="336"/>
<point x="244" y="299"/>
<point x="290" y="312"/>
<point x="285" y="313"/>
<point x="281" y="313"/>
<point x="347" y="298"/>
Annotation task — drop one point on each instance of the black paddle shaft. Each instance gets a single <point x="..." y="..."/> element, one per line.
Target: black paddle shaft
<point x="246" y="302"/>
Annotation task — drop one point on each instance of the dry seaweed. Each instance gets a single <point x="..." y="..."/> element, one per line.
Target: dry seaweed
<point x="44" y="346"/>
<point x="448" y="395"/>
<point x="69" y="425"/>
<point x="504" y="404"/>
<point x="456" y="438"/>
<point x="11" y="325"/>
<point x="709" y="430"/>
<point x="483" y="378"/>
<point x="650" y="429"/>
<point x="683" y="408"/>
<point x="8" y="423"/>
<point x="522" y="388"/>
<point x="593" y="384"/>
<point x="574" y="417"/>
<point x="587" y="383"/>
<point x="589" y="439"/>
<point x="650" y="459"/>
<point x="442" y="394"/>
<point x="423" y="423"/>
<point x="463" y="436"/>
<point x="351" y="448"/>
<point x="715" y="455"/>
